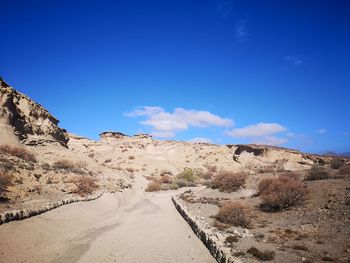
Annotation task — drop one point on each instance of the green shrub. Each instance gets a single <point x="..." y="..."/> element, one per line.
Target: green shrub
<point x="188" y="175"/>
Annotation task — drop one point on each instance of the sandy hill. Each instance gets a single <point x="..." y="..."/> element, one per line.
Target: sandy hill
<point x="60" y="159"/>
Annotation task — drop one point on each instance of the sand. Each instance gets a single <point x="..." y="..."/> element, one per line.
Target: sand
<point x="132" y="226"/>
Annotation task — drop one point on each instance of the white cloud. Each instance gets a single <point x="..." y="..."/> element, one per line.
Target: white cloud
<point x="144" y="111"/>
<point x="270" y="140"/>
<point x="200" y="139"/>
<point x="166" y="123"/>
<point x="257" y="130"/>
<point x="321" y="131"/>
<point x="294" y="60"/>
<point x="241" y="29"/>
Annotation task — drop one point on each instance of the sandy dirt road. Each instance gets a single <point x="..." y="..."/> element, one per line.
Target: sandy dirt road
<point x="126" y="227"/>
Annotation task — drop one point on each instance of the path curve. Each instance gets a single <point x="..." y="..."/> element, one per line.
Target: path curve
<point x="132" y="226"/>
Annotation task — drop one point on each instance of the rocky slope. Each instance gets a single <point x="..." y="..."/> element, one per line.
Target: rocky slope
<point x="24" y="120"/>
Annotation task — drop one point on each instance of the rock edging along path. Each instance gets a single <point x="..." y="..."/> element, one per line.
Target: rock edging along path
<point x="26" y="213"/>
<point x="208" y="237"/>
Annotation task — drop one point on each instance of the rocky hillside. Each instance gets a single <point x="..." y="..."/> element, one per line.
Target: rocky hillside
<point x="23" y="120"/>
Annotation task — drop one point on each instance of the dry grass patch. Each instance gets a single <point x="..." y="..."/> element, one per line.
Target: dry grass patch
<point x="85" y="186"/>
<point x="281" y="193"/>
<point x="19" y="152"/>
<point x="235" y="213"/>
<point x="228" y="181"/>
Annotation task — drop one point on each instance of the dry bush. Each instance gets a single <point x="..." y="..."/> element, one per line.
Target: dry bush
<point x="165" y="179"/>
<point x="63" y="164"/>
<point x="282" y="193"/>
<point x="153" y="187"/>
<point x="165" y="172"/>
<point x="264" y="185"/>
<point x="336" y="163"/>
<point x="85" y="185"/>
<point x="188" y="175"/>
<point x="46" y="166"/>
<point x="345" y="170"/>
<point x="228" y="181"/>
<point x="206" y="175"/>
<point x="67" y="166"/>
<point x="5" y="181"/>
<point x="291" y="175"/>
<point x="261" y="255"/>
<point x="130" y="170"/>
<point x="184" y="183"/>
<point x="235" y="213"/>
<point x="131" y="157"/>
<point x="18" y="152"/>
<point x="108" y="160"/>
<point x="317" y="173"/>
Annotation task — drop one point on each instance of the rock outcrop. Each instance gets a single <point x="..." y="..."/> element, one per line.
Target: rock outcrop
<point x="113" y="135"/>
<point x="26" y="121"/>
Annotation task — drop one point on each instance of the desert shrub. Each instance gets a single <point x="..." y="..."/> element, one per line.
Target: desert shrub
<point x="63" y="164"/>
<point x="131" y="157"/>
<point x="165" y="172"/>
<point x="67" y="166"/>
<point x="336" y="163"/>
<point x="85" y="185"/>
<point x="130" y="170"/>
<point x="261" y="255"/>
<point x="290" y="175"/>
<point x="5" y="181"/>
<point x="165" y="179"/>
<point x="188" y="175"/>
<point x="228" y="181"/>
<point x="108" y="160"/>
<point x="282" y="193"/>
<point x="317" y="173"/>
<point x="264" y="185"/>
<point x="46" y="166"/>
<point x="18" y="152"/>
<point x="206" y="175"/>
<point x="184" y="183"/>
<point x="345" y="170"/>
<point x="235" y="213"/>
<point x="153" y="187"/>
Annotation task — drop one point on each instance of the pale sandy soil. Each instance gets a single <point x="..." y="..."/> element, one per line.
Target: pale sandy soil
<point x="132" y="226"/>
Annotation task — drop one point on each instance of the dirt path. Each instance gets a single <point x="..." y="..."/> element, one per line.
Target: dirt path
<point x="128" y="227"/>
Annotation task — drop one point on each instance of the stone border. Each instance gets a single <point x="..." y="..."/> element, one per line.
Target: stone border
<point x="26" y="213"/>
<point x="210" y="239"/>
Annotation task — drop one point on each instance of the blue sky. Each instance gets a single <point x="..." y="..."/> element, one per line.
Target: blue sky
<point x="275" y="72"/>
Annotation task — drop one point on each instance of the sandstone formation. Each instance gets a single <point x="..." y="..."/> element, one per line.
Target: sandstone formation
<point x="22" y="119"/>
